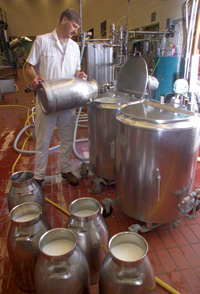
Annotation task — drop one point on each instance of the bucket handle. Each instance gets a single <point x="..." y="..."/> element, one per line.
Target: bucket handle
<point x="63" y="274"/>
<point x="26" y="194"/>
<point x="130" y="281"/>
<point x="77" y="227"/>
<point x="19" y="237"/>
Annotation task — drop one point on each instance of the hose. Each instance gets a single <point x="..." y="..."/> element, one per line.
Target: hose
<point x="166" y="286"/>
<point x="78" y="116"/>
<point x="79" y="140"/>
<point x="58" y="206"/>
<point x="28" y="151"/>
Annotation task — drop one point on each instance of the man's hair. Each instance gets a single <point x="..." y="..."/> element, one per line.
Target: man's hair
<point x="71" y="14"/>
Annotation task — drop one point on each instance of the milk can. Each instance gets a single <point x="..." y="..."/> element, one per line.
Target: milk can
<point x="127" y="269"/>
<point x="61" y="266"/>
<point x="66" y="94"/>
<point x="25" y="189"/>
<point x="27" y="226"/>
<point x="92" y="233"/>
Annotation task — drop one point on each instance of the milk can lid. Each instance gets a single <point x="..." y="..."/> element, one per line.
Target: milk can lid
<point x="156" y="113"/>
<point x="132" y="77"/>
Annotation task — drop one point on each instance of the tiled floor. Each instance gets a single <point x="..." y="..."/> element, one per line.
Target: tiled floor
<point x="173" y="251"/>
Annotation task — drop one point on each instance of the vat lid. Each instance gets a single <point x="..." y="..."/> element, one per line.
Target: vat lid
<point x="156" y="113"/>
<point x="132" y="77"/>
<point x="111" y="100"/>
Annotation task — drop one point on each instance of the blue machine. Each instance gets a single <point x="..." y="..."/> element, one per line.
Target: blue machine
<point x="168" y="70"/>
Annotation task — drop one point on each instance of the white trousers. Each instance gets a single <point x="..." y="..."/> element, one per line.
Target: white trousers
<point x="44" y="128"/>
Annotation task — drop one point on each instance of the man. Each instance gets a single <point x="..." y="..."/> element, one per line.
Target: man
<point x="55" y="56"/>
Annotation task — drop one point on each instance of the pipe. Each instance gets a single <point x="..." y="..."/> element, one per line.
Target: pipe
<point x="195" y="51"/>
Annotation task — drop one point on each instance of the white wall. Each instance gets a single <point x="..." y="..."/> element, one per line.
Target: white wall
<point x="115" y="11"/>
<point x="33" y="17"/>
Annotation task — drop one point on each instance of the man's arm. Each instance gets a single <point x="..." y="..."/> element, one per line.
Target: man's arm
<point x="35" y="79"/>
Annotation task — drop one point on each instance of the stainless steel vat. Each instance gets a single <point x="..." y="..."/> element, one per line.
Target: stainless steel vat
<point x="130" y="86"/>
<point x="66" y="94"/>
<point x="127" y="269"/>
<point x="27" y="226"/>
<point x="102" y="134"/>
<point x="25" y="189"/>
<point x="156" y="160"/>
<point x="63" y="268"/>
<point x="91" y="232"/>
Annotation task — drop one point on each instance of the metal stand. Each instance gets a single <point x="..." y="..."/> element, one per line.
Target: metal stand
<point x="97" y="188"/>
<point x="149" y="226"/>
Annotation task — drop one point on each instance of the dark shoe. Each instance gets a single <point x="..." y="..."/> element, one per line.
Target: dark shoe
<point x="71" y="179"/>
<point x="39" y="182"/>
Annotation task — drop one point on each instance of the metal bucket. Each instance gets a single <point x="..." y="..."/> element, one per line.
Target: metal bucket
<point x="127" y="268"/>
<point x="91" y="231"/>
<point x="27" y="226"/>
<point x="156" y="160"/>
<point x="25" y="189"/>
<point x="66" y="94"/>
<point x="61" y="266"/>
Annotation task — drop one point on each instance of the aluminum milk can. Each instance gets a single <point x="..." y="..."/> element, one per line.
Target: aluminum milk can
<point x="66" y="94"/>
<point x="127" y="269"/>
<point x="92" y="233"/>
<point x="25" y="189"/>
<point x="27" y="226"/>
<point x="61" y="266"/>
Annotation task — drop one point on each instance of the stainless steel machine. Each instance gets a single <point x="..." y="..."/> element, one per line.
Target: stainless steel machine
<point x="156" y="160"/>
<point x="102" y="116"/>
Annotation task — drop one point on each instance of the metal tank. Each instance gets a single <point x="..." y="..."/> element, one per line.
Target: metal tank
<point x="127" y="268"/>
<point x="61" y="266"/>
<point x="102" y="134"/>
<point x="130" y="87"/>
<point x="25" y="189"/>
<point x="92" y="234"/>
<point x="27" y="226"/>
<point x="156" y="160"/>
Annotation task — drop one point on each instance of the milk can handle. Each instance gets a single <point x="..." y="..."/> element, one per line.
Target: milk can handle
<point x="19" y="237"/>
<point x="61" y="275"/>
<point x="77" y="227"/>
<point x="26" y="194"/>
<point x="130" y="281"/>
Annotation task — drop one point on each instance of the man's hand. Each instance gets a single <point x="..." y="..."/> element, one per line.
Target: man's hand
<point x="36" y="81"/>
<point x="80" y="75"/>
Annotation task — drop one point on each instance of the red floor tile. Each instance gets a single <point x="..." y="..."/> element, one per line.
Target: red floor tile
<point x="166" y="261"/>
<point x="188" y="234"/>
<point x="179" y="258"/>
<point x="155" y="240"/>
<point x="178" y="237"/>
<point x="178" y="282"/>
<point x="190" y="255"/>
<point x="192" y="280"/>
<point x="167" y="239"/>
